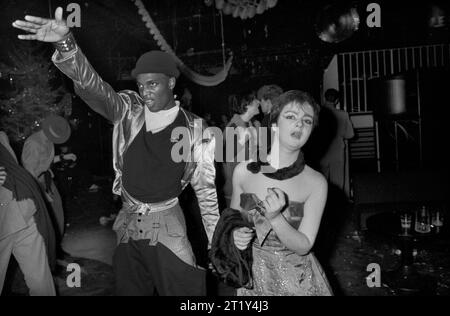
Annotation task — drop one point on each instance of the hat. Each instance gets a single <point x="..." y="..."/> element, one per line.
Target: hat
<point x="156" y="61"/>
<point x="56" y="128"/>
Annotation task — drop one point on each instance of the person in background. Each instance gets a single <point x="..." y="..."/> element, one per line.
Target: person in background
<point x="64" y="171"/>
<point x="244" y="111"/>
<point x="223" y="121"/>
<point x="38" y="155"/>
<point x="186" y="100"/>
<point x="267" y="95"/>
<point x="26" y="230"/>
<point x="334" y="132"/>
<point x="208" y="119"/>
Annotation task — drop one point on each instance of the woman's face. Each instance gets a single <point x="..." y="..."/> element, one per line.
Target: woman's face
<point x="295" y="125"/>
<point x="253" y="108"/>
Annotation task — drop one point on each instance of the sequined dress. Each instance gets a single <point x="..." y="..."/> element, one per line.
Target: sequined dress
<point x="278" y="271"/>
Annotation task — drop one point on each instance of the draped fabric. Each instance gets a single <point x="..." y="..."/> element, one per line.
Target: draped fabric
<point x="207" y="81"/>
<point x="232" y="265"/>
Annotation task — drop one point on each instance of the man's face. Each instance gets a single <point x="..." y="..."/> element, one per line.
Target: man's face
<point x="266" y="106"/>
<point x="156" y="90"/>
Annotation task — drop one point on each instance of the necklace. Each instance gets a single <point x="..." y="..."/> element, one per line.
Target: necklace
<point x="279" y="174"/>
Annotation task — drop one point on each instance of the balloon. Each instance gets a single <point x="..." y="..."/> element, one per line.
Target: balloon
<point x="271" y="3"/>
<point x="335" y="24"/>
<point x="261" y="7"/>
<point x="252" y="12"/>
<point x="243" y="13"/>
<point x="235" y="12"/>
<point x="228" y="9"/>
<point x="220" y="4"/>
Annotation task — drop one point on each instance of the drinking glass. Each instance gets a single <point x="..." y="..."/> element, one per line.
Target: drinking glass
<point x="405" y="220"/>
<point x="437" y="220"/>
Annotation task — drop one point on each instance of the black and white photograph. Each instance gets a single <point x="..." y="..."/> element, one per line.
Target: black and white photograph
<point x="224" y="151"/>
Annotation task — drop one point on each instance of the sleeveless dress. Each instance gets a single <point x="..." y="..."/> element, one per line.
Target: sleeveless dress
<point x="278" y="271"/>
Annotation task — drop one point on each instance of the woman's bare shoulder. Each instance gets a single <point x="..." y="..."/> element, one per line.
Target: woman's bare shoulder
<point x="241" y="168"/>
<point x="315" y="178"/>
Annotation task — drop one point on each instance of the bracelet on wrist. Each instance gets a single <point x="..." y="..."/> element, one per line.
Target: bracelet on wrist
<point x="67" y="44"/>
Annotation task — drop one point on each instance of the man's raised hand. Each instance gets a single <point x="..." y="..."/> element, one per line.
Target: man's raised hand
<point x="44" y="30"/>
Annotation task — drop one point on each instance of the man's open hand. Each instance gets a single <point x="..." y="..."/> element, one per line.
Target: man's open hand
<point x="44" y="30"/>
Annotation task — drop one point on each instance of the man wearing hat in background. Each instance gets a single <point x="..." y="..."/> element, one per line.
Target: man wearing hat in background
<point x="154" y="255"/>
<point x="38" y="154"/>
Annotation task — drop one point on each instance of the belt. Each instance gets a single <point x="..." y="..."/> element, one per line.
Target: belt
<point x="147" y="208"/>
<point x="137" y="207"/>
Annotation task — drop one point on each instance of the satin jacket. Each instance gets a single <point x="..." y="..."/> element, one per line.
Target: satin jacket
<point x="125" y="109"/>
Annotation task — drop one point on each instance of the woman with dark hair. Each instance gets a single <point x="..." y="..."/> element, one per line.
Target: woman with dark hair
<point x="284" y="199"/>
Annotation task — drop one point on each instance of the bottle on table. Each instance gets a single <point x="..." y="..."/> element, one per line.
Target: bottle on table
<point x="422" y="224"/>
<point x="437" y="221"/>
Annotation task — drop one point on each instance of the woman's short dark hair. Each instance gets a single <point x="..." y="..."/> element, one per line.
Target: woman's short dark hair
<point x="243" y="100"/>
<point x="294" y="96"/>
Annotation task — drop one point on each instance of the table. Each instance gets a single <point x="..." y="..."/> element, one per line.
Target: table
<point x="405" y="278"/>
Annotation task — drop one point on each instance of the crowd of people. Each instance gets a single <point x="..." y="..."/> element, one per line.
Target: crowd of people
<point x="277" y="197"/>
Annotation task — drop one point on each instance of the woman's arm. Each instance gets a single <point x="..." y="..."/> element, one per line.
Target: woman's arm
<point x="302" y="240"/>
<point x="238" y="174"/>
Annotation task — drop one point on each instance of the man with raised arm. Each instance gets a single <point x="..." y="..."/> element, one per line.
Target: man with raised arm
<point x="154" y="255"/>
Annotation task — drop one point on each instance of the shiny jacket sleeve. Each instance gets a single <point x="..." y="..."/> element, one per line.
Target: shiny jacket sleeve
<point x="99" y="95"/>
<point x="203" y="182"/>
